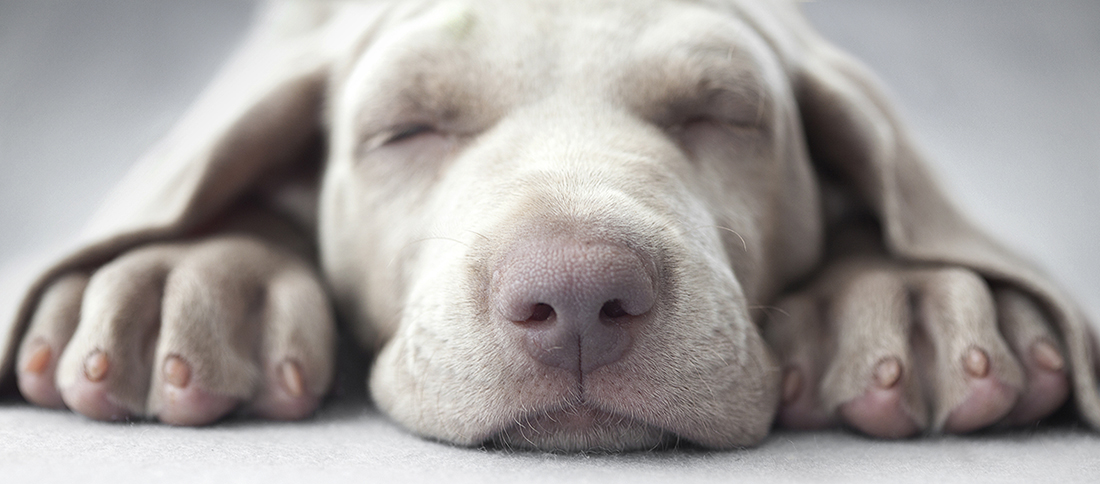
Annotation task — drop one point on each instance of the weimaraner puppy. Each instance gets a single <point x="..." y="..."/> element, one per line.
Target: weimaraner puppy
<point x="555" y="224"/>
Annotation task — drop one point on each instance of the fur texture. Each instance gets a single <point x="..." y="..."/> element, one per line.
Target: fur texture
<point x="412" y="161"/>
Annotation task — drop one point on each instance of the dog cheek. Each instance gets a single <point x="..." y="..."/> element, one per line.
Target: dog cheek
<point x="420" y="378"/>
<point x="762" y="374"/>
<point x="744" y="382"/>
<point x="337" y="241"/>
<point x="393" y="387"/>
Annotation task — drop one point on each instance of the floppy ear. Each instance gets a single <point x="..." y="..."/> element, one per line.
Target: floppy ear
<point x="262" y="112"/>
<point x="855" y="135"/>
<point x="258" y="114"/>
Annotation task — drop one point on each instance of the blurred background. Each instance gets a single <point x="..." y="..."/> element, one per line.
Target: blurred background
<point x="1003" y="94"/>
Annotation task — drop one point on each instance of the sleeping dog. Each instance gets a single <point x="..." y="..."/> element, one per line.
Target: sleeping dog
<point x="561" y="225"/>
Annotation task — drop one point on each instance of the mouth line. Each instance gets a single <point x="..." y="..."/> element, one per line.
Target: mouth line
<point x="581" y="427"/>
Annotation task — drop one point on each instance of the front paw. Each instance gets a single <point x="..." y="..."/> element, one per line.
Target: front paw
<point x="184" y="333"/>
<point x="894" y="350"/>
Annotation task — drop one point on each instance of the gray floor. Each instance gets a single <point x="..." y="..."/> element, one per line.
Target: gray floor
<point x="1004" y="94"/>
<point x="346" y="443"/>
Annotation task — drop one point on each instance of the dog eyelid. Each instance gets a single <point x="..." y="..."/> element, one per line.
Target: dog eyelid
<point x="739" y="124"/>
<point x="394" y="135"/>
<point x="402" y="133"/>
<point x="737" y="108"/>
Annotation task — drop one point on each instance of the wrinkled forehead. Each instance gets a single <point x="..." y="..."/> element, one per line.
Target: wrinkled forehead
<point x="634" y="52"/>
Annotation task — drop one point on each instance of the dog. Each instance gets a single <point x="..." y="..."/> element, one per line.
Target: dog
<point x="557" y="225"/>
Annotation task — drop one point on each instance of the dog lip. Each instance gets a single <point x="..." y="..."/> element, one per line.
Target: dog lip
<point x="574" y="418"/>
<point x="579" y="420"/>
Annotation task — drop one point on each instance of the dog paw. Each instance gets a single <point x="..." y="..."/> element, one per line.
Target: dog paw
<point x="184" y="333"/>
<point x="893" y="351"/>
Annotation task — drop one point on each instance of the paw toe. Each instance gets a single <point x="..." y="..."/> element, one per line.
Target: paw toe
<point x="880" y="413"/>
<point x="193" y="406"/>
<point x="1047" y="385"/>
<point x="286" y="394"/>
<point x="184" y="403"/>
<point x="800" y="407"/>
<point x="51" y="326"/>
<point x="36" y="376"/>
<point x="988" y="401"/>
<point x="1028" y="329"/>
<point x="881" y="410"/>
<point x="89" y="394"/>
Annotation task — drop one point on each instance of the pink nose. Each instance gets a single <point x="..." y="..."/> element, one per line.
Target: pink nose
<point x="574" y="301"/>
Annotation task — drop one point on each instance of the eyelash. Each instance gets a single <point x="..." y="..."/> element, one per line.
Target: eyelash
<point x="404" y="133"/>
<point x="395" y="135"/>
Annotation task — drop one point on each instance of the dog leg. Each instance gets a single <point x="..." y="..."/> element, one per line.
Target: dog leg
<point x="184" y="333"/>
<point x="906" y="349"/>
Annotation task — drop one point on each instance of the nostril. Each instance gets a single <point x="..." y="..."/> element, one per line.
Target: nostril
<point x="541" y="312"/>
<point x="575" y="303"/>
<point x="612" y="310"/>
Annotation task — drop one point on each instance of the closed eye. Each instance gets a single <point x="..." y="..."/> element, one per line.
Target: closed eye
<point x="403" y="133"/>
<point x="708" y="136"/>
<point x="396" y="136"/>
<point x="686" y="127"/>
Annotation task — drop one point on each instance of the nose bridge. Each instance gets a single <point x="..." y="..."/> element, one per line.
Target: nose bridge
<point x="585" y="168"/>
<point x="586" y="128"/>
<point x="590" y="159"/>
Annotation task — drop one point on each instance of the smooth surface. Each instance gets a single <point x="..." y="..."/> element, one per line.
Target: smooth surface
<point x="346" y="443"/>
<point x="1004" y="95"/>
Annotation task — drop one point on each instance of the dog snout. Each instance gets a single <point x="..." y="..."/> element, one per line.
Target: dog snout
<point x="575" y="303"/>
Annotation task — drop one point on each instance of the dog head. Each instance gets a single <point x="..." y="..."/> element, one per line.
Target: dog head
<point x="556" y="220"/>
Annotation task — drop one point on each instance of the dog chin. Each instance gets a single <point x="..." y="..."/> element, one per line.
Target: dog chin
<point x="581" y="427"/>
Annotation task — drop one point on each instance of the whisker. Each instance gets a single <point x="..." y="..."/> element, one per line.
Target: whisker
<point x="744" y="244"/>
<point x="426" y="239"/>
<point x="771" y="308"/>
<point x="479" y="235"/>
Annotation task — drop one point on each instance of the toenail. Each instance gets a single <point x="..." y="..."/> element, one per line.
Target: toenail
<point x="39" y="359"/>
<point x="1047" y="356"/>
<point x="176" y="371"/>
<point x="888" y="372"/>
<point x="292" y="378"/>
<point x="976" y="363"/>
<point x="95" y="367"/>
<point x="792" y="385"/>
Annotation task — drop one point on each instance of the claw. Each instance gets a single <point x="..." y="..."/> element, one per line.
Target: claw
<point x="291" y="378"/>
<point x="976" y="363"/>
<point x="177" y="372"/>
<point x="39" y="359"/>
<point x="96" y="366"/>
<point x="792" y="385"/>
<point x="1047" y="356"/>
<point x="888" y="373"/>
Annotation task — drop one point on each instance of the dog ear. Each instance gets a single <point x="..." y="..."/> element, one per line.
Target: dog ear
<point x="854" y="135"/>
<point x="261" y="113"/>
